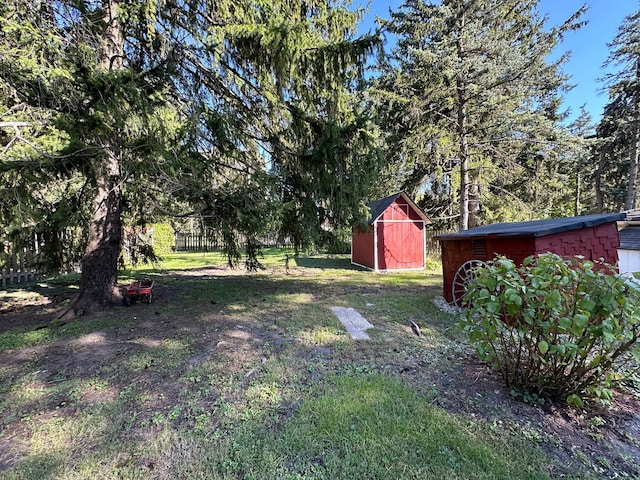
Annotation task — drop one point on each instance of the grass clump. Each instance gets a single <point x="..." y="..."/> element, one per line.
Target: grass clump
<point x="372" y="426"/>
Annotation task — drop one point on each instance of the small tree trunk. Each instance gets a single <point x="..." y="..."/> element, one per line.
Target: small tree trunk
<point x="598" y="181"/>
<point x="630" y="202"/>
<point x="474" y="204"/>
<point x="576" y="203"/>
<point x="463" y="155"/>
<point x="633" y="161"/>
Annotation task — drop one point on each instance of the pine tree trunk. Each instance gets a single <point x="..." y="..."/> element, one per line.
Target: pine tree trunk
<point x="464" y="171"/>
<point x="598" y="181"/>
<point x="633" y="160"/>
<point x="98" y="282"/>
<point x="463" y="153"/>
<point x="99" y="278"/>
<point x="474" y="203"/>
<point x="576" y="201"/>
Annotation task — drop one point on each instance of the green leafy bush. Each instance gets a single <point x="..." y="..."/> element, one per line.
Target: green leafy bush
<point x="142" y="245"/>
<point x="556" y="328"/>
<point x="163" y="239"/>
<point x="433" y="263"/>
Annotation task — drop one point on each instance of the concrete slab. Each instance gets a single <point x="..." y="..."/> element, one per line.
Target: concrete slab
<point x="355" y="323"/>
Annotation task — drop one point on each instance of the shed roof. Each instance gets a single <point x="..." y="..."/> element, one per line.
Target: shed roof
<point x="630" y="237"/>
<point x="378" y="207"/>
<point x="536" y="228"/>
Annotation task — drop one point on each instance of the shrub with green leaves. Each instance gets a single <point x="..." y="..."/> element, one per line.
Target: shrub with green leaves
<point x="163" y="239"/>
<point x="559" y="329"/>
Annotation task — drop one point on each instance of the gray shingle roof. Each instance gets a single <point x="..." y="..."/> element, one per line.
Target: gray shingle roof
<point x="378" y="207"/>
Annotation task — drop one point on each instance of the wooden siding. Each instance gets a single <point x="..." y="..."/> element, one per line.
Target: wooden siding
<point x="594" y="243"/>
<point x="629" y="261"/>
<point x="591" y="242"/>
<point x="395" y="241"/>
<point x="400" y="245"/>
<point x="362" y="248"/>
<point x="456" y="252"/>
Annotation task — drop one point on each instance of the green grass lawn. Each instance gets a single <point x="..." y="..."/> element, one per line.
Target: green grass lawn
<point x="235" y="375"/>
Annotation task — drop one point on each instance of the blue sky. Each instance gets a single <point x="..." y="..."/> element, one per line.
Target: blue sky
<point x="588" y="45"/>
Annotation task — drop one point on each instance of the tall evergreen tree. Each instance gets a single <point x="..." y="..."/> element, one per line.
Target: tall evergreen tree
<point x="583" y="133"/>
<point x="609" y="155"/>
<point x="624" y="84"/>
<point x="215" y="105"/>
<point x="469" y="86"/>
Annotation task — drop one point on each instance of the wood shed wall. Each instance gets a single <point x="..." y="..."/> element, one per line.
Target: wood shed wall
<point x="400" y="245"/>
<point x="396" y="238"/>
<point x="362" y="248"/>
<point x="456" y="252"/>
<point x="591" y="242"/>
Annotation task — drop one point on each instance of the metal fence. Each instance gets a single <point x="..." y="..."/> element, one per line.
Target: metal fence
<point x="188" y="242"/>
<point x="185" y="242"/>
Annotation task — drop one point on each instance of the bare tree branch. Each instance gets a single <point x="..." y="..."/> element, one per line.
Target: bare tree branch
<point x="14" y="124"/>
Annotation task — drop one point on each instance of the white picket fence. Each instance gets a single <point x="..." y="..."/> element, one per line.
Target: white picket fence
<point x="16" y="266"/>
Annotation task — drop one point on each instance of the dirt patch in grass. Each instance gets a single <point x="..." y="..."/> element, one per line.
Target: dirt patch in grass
<point x="32" y="307"/>
<point x="189" y="360"/>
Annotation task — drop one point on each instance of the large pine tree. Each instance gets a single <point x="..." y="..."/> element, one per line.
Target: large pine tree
<point x="120" y="107"/>
<point x="609" y="157"/>
<point x="471" y="99"/>
<point x="624" y="88"/>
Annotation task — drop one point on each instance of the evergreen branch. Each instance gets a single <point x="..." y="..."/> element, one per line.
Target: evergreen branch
<point x="515" y="197"/>
<point x="164" y="211"/>
<point x="44" y="154"/>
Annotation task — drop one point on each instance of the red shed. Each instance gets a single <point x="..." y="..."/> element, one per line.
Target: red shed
<point x="592" y="236"/>
<point x="395" y="239"/>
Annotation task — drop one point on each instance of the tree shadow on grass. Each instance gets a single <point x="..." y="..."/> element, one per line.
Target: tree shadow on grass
<point x="326" y="263"/>
<point x="138" y="391"/>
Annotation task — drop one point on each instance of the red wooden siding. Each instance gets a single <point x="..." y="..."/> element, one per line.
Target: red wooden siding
<point x="456" y="252"/>
<point x="400" y="245"/>
<point x="399" y="210"/>
<point x="591" y="242"/>
<point x="362" y="248"/>
<point x="397" y="233"/>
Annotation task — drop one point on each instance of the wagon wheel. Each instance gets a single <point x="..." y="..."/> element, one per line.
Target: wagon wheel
<point x="465" y="273"/>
